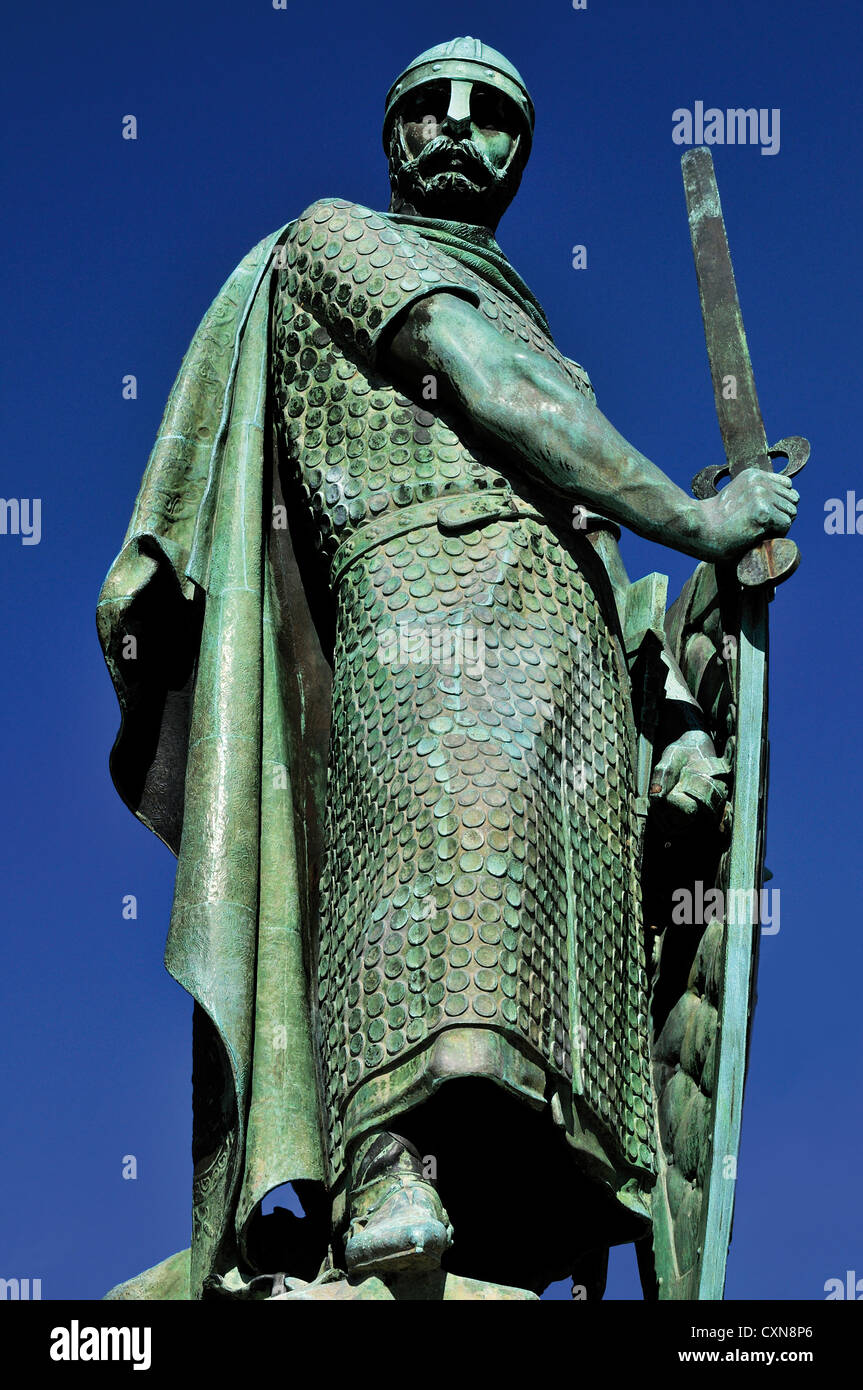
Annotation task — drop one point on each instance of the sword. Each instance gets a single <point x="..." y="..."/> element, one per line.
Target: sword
<point x="758" y="571"/>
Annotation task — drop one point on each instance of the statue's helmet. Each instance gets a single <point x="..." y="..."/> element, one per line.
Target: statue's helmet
<point x="466" y="59"/>
<point x="463" y="61"/>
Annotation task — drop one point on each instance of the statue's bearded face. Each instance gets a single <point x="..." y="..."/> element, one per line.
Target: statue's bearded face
<point x="455" y="152"/>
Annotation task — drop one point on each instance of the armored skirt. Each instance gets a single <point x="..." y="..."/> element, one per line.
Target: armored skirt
<point x="480" y="903"/>
<point x="480" y="906"/>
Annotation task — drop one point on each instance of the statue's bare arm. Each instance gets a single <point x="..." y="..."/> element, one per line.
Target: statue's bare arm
<point x="520" y="399"/>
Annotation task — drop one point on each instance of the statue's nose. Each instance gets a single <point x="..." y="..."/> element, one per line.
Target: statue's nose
<point x="457" y="121"/>
<point x="457" y="129"/>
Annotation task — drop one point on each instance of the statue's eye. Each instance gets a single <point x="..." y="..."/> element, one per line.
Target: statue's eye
<point x="427" y="106"/>
<point x="489" y="109"/>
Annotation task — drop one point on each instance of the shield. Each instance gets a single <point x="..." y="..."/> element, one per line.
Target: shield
<point x="704" y="970"/>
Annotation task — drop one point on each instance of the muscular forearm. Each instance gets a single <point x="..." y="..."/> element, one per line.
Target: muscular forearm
<point x="529" y="404"/>
<point x="523" y="400"/>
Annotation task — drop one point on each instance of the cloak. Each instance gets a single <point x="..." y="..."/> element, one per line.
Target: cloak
<point x="221" y="760"/>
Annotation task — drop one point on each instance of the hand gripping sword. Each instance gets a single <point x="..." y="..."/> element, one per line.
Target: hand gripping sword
<point x="766" y="565"/>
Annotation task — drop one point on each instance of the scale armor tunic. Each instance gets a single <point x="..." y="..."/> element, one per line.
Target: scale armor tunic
<point x="480" y="904"/>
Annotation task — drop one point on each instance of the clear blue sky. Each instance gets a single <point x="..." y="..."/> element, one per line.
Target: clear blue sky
<point x="113" y="251"/>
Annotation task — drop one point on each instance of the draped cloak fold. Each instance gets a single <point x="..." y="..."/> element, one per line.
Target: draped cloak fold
<point x="214" y="750"/>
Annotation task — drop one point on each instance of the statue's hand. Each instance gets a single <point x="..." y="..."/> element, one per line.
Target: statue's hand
<point x="689" y="780"/>
<point x="753" y="505"/>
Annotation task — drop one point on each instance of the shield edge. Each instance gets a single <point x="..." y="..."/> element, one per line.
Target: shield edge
<point x="744" y="684"/>
<point x="745" y="867"/>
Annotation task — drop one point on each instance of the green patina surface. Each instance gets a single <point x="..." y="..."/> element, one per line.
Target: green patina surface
<point x="430" y="764"/>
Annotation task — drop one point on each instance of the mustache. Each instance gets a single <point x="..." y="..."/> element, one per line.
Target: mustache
<point x="438" y="154"/>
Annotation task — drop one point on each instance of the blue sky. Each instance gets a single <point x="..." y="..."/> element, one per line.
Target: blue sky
<point x="113" y="250"/>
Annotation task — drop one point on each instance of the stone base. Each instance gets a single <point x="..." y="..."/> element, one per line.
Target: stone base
<point x="436" y="1287"/>
<point x="170" y="1280"/>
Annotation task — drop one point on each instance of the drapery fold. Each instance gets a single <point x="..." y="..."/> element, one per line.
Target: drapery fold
<point x="204" y="758"/>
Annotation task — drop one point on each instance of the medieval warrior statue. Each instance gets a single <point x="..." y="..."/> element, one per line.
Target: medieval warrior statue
<point x="435" y="771"/>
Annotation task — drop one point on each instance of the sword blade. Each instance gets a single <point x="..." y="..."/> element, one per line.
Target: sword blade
<point x="737" y="407"/>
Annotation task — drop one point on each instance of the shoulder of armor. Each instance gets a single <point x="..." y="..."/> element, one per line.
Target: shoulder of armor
<point x="322" y="209"/>
<point x="581" y="377"/>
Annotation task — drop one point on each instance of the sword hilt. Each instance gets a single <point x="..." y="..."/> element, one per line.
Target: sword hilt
<point x="775" y="559"/>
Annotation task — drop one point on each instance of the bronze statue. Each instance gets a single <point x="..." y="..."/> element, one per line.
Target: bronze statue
<point x="431" y="764"/>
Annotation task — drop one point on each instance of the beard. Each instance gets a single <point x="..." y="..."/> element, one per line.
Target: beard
<point x="451" y="179"/>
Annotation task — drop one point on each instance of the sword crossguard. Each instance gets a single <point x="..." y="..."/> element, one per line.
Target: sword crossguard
<point x="777" y="558"/>
<point x="795" y="449"/>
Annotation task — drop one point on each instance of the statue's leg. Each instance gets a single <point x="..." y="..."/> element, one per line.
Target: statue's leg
<point x="396" y="1217"/>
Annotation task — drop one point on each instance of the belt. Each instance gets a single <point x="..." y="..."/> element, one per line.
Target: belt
<point x="452" y="514"/>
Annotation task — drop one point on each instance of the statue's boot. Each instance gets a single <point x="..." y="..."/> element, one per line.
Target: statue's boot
<point x="397" y="1220"/>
